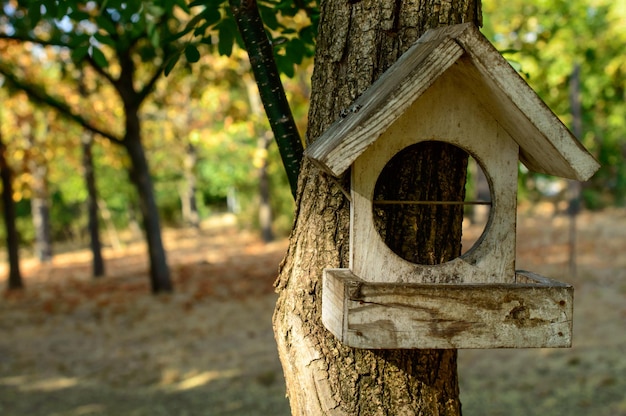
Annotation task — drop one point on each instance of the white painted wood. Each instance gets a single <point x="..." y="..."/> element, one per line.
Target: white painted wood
<point x="384" y="315"/>
<point x="440" y="114"/>
<point x="546" y="145"/>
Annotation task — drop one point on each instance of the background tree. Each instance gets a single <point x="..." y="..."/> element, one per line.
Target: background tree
<point x="92" y="204"/>
<point x="128" y="46"/>
<point x="557" y="43"/>
<point x="357" y="42"/>
<point x="35" y="129"/>
<point x="8" y="209"/>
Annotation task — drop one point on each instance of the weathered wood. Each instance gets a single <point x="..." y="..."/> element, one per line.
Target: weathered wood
<point x="441" y="113"/>
<point x="546" y="145"/>
<point x="535" y="312"/>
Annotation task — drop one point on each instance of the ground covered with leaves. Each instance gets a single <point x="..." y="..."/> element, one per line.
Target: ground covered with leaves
<point x="71" y="345"/>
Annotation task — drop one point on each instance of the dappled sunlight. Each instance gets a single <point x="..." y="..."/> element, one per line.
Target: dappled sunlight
<point x="92" y="340"/>
<point x="34" y="384"/>
<point x="202" y="379"/>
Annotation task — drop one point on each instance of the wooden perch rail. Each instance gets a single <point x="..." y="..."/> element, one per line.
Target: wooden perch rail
<point x="532" y="312"/>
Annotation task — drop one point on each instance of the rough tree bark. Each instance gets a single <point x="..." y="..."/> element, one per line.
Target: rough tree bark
<point x="358" y="41"/>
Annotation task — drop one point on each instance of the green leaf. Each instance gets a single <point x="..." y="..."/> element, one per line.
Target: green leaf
<point x="191" y="53"/>
<point x="104" y="39"/>
<point x="153" y="34"/>
<point x="308" y="34"/>
<point x="107" y="24"/>
<point x="98" y="57"/>
<point x="285" y="66"/>
<point x="268" y="15"/>
<point x="79" y="53"/>
<point x="226" y="37"/>
<point x="211" y="15"/>
<point x="78" y="15"/>
<point x="34" y="13"/>
<point x="296" y="51"/>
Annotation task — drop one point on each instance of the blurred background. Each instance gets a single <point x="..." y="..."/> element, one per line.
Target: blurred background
<point x="74" y="345"/>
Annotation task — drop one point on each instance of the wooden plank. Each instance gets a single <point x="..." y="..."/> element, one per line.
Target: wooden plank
<point x="334" y="312"/>
<point x="383" y="103"/>
<point x="546" y="145"/>
<point x="389" y="316"/>
<point x="554" y="150"/>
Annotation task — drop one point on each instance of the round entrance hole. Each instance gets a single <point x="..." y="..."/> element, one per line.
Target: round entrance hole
<point x="418" y="219"/>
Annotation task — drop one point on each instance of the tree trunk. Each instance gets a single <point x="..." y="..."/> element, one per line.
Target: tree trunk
<point x="13" y="239"/>
<point x="140" y="177"/>
<point x="92" y="205"/>
<point x="265" y="207"/>
<point x="40" y="210"/>
<point x="261" y="161"/>
<point x="357" y="42"/>
<point x="189" y="204"/>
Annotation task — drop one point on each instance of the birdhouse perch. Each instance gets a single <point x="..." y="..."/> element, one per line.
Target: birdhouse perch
<point x="453" y="87"/>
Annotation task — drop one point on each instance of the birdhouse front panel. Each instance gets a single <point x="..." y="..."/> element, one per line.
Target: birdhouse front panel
<point x="443" y="113"/>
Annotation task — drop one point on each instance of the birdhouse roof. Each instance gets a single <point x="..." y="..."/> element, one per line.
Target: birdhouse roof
<point x="546" y="145"/>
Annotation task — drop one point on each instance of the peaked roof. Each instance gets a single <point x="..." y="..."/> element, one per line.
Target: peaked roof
<point x="546" y="145"/>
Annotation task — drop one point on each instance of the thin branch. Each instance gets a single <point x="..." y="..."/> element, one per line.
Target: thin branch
<point x="100" y="70"/>
<point x="270" y="87"/>
<point x="43" y="42"/>
<point x="147" y="88"/>
<point x="39" y="95"/>
<point x="38" y="41"/>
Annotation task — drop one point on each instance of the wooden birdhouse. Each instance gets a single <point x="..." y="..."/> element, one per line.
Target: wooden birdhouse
<point x="454" y="87"/>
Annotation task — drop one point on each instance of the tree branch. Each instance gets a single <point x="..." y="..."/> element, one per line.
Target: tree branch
<point x="145" y="91"/>
<point x="100" y="70"/>
<point x="42" y="42"/>
<point x="38" y="41"/>
<point x="39" y="95"/>
<point x="270" y="86"/>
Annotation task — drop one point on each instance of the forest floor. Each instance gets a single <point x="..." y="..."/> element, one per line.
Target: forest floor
<point x="71" y="345"/>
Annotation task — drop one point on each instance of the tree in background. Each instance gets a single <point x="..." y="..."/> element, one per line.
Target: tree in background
<point x="8" y="208"/>
<point x="557" y="44"/>
<point x="35" y="128"/>
<point x="127" y="46"/>
<point x="92" y="204"/>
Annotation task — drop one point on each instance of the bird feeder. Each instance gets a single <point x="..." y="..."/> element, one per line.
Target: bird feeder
<point x="454" y="87"/>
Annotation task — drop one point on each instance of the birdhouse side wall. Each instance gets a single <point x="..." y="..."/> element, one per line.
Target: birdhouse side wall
<point x="446" y="112"/>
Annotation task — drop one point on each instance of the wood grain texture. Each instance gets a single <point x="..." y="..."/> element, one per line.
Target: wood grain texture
<point x="535" y="312"/>
<point x="546" y="145"/>
<point x="454" y="118"/>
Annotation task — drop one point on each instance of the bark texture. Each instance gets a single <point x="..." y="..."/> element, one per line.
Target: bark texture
<point x="358" y="41"/>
